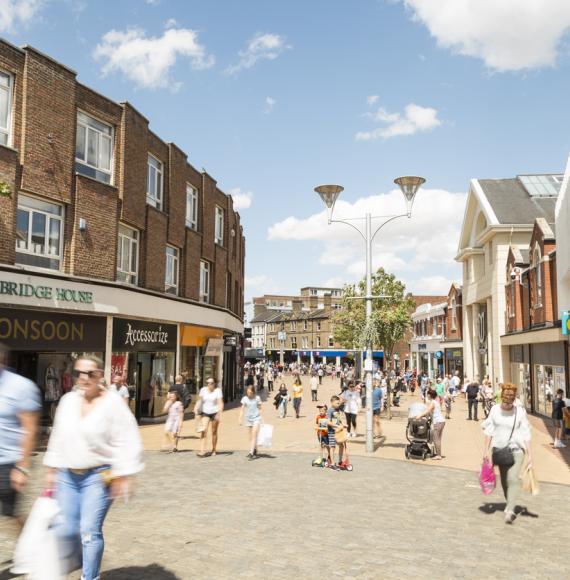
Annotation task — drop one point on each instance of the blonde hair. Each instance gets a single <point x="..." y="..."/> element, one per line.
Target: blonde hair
<point x="508" y="387"/>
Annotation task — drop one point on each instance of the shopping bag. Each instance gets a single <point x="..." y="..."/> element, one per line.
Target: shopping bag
<point x="36" y="552"/>
<point x="265" y="436"/>
<point x="529" y="481"/>
<point x="487" y="479"/>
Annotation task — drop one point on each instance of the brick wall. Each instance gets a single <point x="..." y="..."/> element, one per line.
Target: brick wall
<point x="9" y="176"/>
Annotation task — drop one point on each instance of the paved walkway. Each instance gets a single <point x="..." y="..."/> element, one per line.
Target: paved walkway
<point x="462" y="439"/>
<point x="277" y="517"/>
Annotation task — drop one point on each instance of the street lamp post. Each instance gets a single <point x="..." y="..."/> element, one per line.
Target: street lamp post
<point x="329" y="194"/>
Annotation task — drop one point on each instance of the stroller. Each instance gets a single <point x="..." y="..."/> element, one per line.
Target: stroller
<point x="418" y="433"/>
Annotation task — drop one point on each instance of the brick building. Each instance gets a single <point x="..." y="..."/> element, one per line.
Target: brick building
<point x="538" y="354"/>
<point x="110" y="242"/>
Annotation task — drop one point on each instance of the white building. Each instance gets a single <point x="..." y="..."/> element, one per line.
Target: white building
<point x="563" y="243"/>
<point x="499" y="213"/>
<point x="426" y="346"/>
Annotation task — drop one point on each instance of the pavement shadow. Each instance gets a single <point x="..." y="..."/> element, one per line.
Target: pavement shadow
<point x="264" y="456"/>
<point x="152" y="572"/>
<point x="491" y="508"/>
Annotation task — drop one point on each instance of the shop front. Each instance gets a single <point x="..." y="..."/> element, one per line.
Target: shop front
<point x="519" y="358"/>
<point x="549" y="375"/>
<point x="44" y="346"/>
<point x="144" y="353"/>
<point x="454" y="361"/>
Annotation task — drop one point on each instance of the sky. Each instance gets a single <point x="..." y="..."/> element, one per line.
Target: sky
<point x="275" y="97"/>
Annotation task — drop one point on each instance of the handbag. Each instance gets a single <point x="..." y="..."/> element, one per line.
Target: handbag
<point x="529" y="481"/>
<point x="504" y="456"/>
<point x="487" y="479"/>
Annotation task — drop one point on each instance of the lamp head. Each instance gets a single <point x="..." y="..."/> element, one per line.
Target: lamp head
<point x="329" y="194"/>
<point x="409" y="185"/>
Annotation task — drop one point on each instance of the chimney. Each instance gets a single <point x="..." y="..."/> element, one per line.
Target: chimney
<point x="328" y="302"/>
<point x="313" y="302"/>
<point x="297" y="305"/>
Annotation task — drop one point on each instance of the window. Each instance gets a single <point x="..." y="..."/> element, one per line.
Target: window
<point x="191" y="207"/>
<point x="453" y="314"/>
<point x="318" y="325"/>
<point x="128" y="255"/>
<point x="5" y="108"/>
<point x="293" y="325"/>
<point x="305" y="325"/>
<point x="171" y="278"/>
<point x="39" y="233"/>
<point x="511" y="299"/>
<point x="204" y="281"/>
<point x="154" y="183"/>
<point x="318" y="341"/>
<point x="331" y="341"/>
<point x="305" y="342"/>
<point x="538" y="277"/>
<point x="219" y="226"/>
<point x="293" y="342"/>
<point x="93" y="148"/>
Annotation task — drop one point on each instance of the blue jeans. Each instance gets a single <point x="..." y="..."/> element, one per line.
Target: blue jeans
<point x="84" y="501"/>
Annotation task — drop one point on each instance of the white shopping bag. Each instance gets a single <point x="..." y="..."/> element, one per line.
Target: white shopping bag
<point x="265" y="436"/>
<point x="36" y="551"/>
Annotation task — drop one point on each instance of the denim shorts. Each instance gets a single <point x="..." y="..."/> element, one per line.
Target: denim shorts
<point x="8" y="495"/>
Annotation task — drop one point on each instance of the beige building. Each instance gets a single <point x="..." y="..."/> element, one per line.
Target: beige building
<point x="499" y="213"/>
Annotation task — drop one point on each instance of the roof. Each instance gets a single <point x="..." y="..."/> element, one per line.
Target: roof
<point x="265" y="316"/>
<point x="520" y="256"/>
<point x="547" y="230"/>
<point x="513" y="204"/>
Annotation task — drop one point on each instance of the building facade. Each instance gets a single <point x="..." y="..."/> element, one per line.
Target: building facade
<point x="426" y="344"/>
<point x="453" y="332"/>
<point x="562" y="218"/>
<point x="110" y="242"/>
<point x="499" y="214"/>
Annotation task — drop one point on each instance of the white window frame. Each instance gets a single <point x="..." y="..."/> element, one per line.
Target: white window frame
<point x="172" y="270"/>
<point x="191" y="216"/>
<point x="318" y="325"/>
<point x="155" y="198"/>
<point x="305" y="325"/>
<point x="101" y="136"/>
<point x="8" y="129"/>
<point x="205" y="279"/>
<point x="453" y="314"/>
<point x="318" y="339"/>
<point x="294" y="342"/>
<point x="49" y="218"/>
<point x="219" y="225"/>
<point x="133" y="242"/>
<point x="331" y="341"/>
<point x="537" y="259"/>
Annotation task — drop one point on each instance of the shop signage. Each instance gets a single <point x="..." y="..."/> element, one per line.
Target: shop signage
<point x="214" y="347"/>
<point x="133" y="335"/>
<point x="422" y="346"/>
<point x="566" y="322"/>
<point x="439" y="354"/>
<point x="41" y="292"/>
<point x="230" y="340"/>
<point x="35" y="330"/>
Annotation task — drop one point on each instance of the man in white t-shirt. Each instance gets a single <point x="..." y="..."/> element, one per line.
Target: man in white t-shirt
<point x="314" y="382"/>
<point x="455" y="382"/>
<point x="118" y="387"/>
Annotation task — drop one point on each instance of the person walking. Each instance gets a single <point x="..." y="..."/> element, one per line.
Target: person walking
<point x="20" y="407"/>
<point x="558" y="406"/>
<point x="507" y="439"/>
<point x="270" y="379"/>
<point x="251" y="409"/>
<point x="210" y="405"/>
<point x="297" y="396"/>
<point x="281" y="400"/>
<point x="314" y="383"/>
<point x="93" y="452"/>
<point x="437" y="420"/>
<point x="351" y="400"/>
<point x="175" y="415"/>
<point x="118" y="386"/>
<point x="321" y="374"/>
<point x="472" y="393"/>
<point x="377" y="406"/>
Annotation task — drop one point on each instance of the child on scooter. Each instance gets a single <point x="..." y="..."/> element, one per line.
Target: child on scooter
<point x="321" y="422"/>
<point x="336" y="429"/>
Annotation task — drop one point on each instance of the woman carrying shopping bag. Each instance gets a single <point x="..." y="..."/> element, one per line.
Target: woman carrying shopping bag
<point x="507" y="439"/>
<point x="251" y="408"/>
<point x="93" y="453"/>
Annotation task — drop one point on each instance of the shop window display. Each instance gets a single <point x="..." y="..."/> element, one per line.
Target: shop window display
<point x="547" y="380"/>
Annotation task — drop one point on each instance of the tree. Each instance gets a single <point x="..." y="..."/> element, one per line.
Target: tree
<point x="391" y="316"/>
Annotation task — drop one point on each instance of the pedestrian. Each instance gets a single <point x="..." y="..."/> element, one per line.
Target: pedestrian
<point x="448" y="400"/>
<point x="507" y="439"/>
<point x="117" y="385"/>
<point x="558" y="406"/>
<point x="297" y="396"/>
<point x="175" y="415"/>
<point x="270" y="379"/>
<point x="321" y="373"/>
<point x="281" y="400"/>
<point x="335" y="426"/>
<point x="20" y="407"/>
<point x="251" y="408"/>
<point x="314" y="383"/>
<point x="322" y="428"/>
<point x="351" y="399"/>
<point x="455" y="383"/>
<point x="437" y="420"/>
<point x="249" y="380"/>
<point x="472" y="393"/>
<point x="440" y="389"/>
<point x="424" y="384"/>
<point x="210" y="405"/>
<point x="93" y="452"/>
<point x="377" y="406"/>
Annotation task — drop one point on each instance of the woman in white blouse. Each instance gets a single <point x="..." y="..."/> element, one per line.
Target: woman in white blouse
<point x="209" y="405"/>
<point x="93" y="452"/>
<point x="507" y="426"/>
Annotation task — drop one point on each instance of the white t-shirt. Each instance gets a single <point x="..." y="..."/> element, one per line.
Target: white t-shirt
<point x="351" y="401"/>
<point x="210" y="400"/>
<point x="314" y="383"/>
<point x="122" y="392"/>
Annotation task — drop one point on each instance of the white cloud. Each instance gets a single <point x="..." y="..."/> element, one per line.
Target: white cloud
<point x="270" y="103"/>
<point x="505" y="34"/>
<point x="422" y="248"/>
<point x="147" y="60"/>
<point x="335" y="282"/>
<point x="242" y="199"/>
<point x="261" y="47"/>
<point x="171" y="23"/>
<point x="16" y="12"/>
<point x="153" y="2"/>
<point x="259" y="285"/>
<point x="414" y="119"/>
<point x="372" y="100"/>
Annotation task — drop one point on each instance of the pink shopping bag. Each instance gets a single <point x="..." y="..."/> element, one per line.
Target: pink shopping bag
<point x="487" y="479"/>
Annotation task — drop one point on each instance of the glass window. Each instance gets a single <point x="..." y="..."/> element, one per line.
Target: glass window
<point x="547" y="380"/>
<point x="191" y="207"/>
<point x="204" y="281"/>
<point x="318" y="341"/>
<point x="219" y="226"/>
<point x="39" y="233"/>
<point x="171" y="279"/>
<point x="331" y="341"/>
<point x="93" y="148"/>
<point x="154" y="182"/>
<point x="5" y="108"/>
<point x="318" y="325"/>
<point x="127" y="255"/>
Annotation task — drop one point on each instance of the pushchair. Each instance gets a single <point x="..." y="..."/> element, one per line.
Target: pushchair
<point x="418" y="433"/>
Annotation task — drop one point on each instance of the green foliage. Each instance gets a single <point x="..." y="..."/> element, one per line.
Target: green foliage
<point x="391" y="316"/>
<point x="5" y="189"/>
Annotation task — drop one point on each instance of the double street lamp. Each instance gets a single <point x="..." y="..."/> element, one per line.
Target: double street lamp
<point x="329" y="194"/>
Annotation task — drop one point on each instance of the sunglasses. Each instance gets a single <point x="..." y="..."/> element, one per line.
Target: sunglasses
<point x="91" y="374"/>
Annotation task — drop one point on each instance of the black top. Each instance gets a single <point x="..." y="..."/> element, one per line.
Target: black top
<point x="557" y="409"/>
<point x="472" y="390"/>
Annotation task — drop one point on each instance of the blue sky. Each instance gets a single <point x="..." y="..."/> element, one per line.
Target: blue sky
<point x="275" y="97"/>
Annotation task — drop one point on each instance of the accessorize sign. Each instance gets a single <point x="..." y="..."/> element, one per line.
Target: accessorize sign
<point x="41" y="292"/>
<point x="35" y="330"/>
<point x="129" y="335"/>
